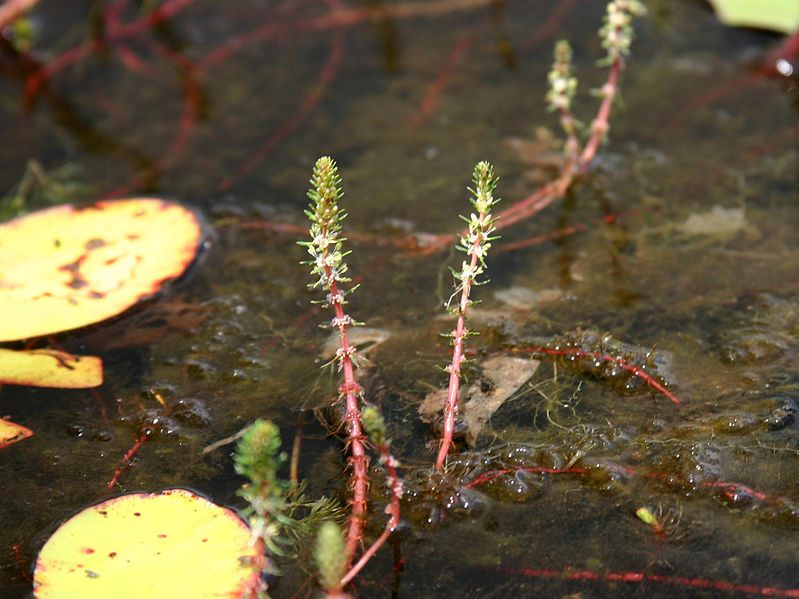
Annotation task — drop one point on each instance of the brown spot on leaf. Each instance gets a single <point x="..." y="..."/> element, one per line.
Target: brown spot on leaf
<point x="94" y="243"/>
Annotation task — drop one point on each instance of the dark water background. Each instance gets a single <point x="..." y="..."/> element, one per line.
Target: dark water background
<point x="698" y="129"/>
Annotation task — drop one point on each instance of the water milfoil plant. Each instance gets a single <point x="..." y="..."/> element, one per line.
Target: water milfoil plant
<point x="329" y="267"/>
<point x="475" y="242"/>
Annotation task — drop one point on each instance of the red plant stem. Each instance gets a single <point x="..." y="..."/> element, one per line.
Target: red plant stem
<point x="643" y="577"/>
<point x="442" y="80"/>
<point x="351" y="391"/>
<point x="620" y="362"/>
<point x="188" y="119"/>
<point x="486" y="477"/>
<point x="451" y="404"/>
<point x="560" y="233"/>
<point x="551" y="25"/>
<point x="338" y="19"/>
<point x="730" y="488"/>
<point x="536" y="202"/>
<point x="305" y="109"/>
<point x="158" y="15"/>
<point x="124" y="462"/>
<point x="11" y="10"/>
<point x="393" y="509"/>
<point x="22" y="566"/>
<point x="601" y="124"/>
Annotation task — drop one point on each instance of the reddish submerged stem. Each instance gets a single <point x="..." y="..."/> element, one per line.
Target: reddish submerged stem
<point x="125" y="461"/>
<point x="644" y="577"/>
<point x="442" y="80"/>
<point x="326" y="77"/>
<point x="393" y="509"/>
<point x="620" y="362"/>
<point x="123" y="31"/>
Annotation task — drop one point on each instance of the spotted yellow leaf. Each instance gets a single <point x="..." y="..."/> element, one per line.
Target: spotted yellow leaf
<point x="169" y="544"/>
<point x="65" y="267"/>
<point x="50" y="368"/>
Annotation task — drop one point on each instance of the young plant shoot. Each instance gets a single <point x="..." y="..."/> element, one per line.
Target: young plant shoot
<point x="328" y="264"/>
<point x="475" y="243"/>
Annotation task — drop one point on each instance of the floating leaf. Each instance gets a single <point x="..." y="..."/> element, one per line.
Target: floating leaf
<point x="169" y="544"/>
<point x="65" y="267"/>
<point x="50" y="368"/>
<point x="777" y="15"/>
<point x="11" y="433"/>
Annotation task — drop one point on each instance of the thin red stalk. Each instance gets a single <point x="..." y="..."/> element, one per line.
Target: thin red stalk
<point x="451" y="404"/>
<point x="442" y="80"/>
<point x="486" y="477"/>
<point x="601" y="124"/>
<point x="305" y="109"/>
<point x="730" y="488"/>
<point x="393" y="509"/>
<point x="339" y="19"/>
<point x="560" y="233"/>
<point x="183" y="132"/>
<point x="161" y="13"/>
<point x="537" y="201"/>
<point x="551" y="25"/>
<point x="358" y="459"/>
<point x="620" y="362"/>
<point x="22" y="565"/>
<point x="124" y="462"/>
<point x="643" y="577"/>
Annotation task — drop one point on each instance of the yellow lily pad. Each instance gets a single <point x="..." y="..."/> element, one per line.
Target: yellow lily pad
<point x="777" y="15"/>
<point x="65" y="267"/>
<point x="11" y="432"/>
<point x="50" y="368"/>
<point x="168" y="544"/>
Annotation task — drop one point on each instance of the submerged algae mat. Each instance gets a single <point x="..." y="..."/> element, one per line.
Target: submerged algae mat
<point x="681" y="239"/>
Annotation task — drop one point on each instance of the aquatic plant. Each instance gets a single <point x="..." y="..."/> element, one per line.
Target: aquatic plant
<point x="475" y="243"/>
<point x="274" y="529"/>
<point x="328" y="264"/>
<point x="258" y="458"/>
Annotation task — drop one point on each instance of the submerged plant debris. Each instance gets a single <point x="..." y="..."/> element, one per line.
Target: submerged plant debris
<point x="670" y="266"/>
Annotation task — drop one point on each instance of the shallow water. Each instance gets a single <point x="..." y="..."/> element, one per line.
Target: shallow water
<point x="699" y="262"/>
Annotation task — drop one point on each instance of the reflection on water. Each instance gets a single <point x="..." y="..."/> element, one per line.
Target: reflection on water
<point x="682" y="239"/>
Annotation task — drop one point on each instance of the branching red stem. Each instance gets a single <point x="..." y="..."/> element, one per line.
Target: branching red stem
<point x="393" y="509"/>
<point x="120" y="32"/>
<point x="620" y="362"/>
<point x="307" y="106"/>
<point x="125" y="461"/>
